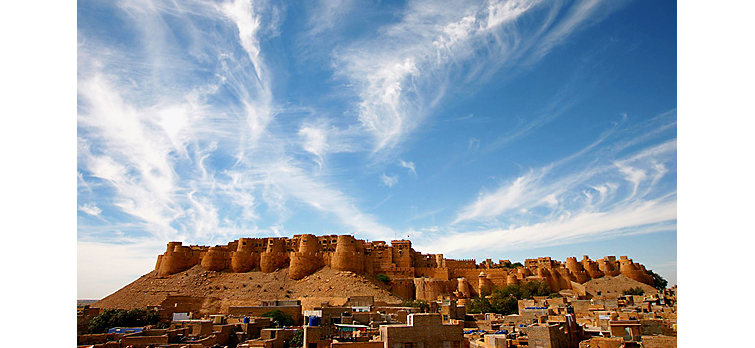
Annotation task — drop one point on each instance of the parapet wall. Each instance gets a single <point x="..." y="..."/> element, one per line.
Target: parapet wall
<point x="306" y="253"/>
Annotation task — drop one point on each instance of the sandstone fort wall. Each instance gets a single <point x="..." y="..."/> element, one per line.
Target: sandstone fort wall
<point x="413" y="275"/>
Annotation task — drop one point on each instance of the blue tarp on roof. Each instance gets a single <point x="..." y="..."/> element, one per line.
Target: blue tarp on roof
<point x="123" y="330"/>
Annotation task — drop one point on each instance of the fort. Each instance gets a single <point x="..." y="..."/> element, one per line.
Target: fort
<point x="413" y="275"/>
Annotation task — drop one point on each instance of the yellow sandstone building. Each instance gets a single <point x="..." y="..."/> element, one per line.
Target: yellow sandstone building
<point x="413" y="275"/>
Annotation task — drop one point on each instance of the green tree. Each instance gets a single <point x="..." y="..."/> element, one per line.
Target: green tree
<point x="659" y="282"/>
<point x="505" y="304"/>
<point x="383" y="278"/>
<point x="508" y="264"/>
<point x="279" y="318"/>
<point x="634" y="291"/>
<point x="110" y="318"/>
<point x="297" y="340"/>
<point x="479" y="305"/>
<point x="505" y="300"/>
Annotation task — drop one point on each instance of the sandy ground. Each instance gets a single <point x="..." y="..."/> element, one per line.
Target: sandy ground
<point x="224" y="289"/>
<point x="247" y="289"/>
<point x="612" y="287"/>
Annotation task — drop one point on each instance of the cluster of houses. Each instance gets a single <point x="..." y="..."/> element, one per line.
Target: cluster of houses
<point x="562" y="322"/>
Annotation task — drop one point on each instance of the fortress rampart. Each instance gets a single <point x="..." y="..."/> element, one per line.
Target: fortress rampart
<point x="413" y="274"/>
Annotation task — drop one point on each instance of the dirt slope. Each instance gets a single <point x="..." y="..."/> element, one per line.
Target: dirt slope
<point x="225" y="289"/>
<point x="612" y="287"/>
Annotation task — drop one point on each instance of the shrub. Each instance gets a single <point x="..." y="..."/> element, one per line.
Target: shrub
<point x="137" y="317"/>
<point x="280" y="318"/>
<point x="634" y="291"/>
<point x="479" y="305"/>
<point x="383" y="278"/>
<point x="659" y="282"/>
<point x="505" y="300"/>
<point x="297" y="340"/>
<point x="511" y="265"/>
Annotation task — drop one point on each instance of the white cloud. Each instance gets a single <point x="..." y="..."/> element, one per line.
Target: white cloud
<point x="296" y="184"/>
<point x="328" y="14"/>
<point x="409" y="166"/>
<point x="580" y="226"/>
<point x="90" y="209"/>
<point x="504" y="199"/>
<point x="400" y="78"/>
<point x="315" y="141"/>
<point x="389" y="180"/>
<point x="567" y="201"/>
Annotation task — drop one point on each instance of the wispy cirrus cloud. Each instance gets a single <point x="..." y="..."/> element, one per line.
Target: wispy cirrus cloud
<point x="406" y="70"/>
<point x="204" y="122"/>
<point x="598" y="192"/>
<point x="187" y="162"/>
<point x="389" y="180"/>
<point x="408" y="165"/>
<point x="577" y="226"/>
<point x="90" y="209"/>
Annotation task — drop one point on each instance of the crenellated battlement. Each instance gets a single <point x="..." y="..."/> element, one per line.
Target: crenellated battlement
<point x="304" y="254"/>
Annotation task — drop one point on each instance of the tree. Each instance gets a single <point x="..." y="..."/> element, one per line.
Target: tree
<point x="508" y="264"/>
<point x="479" y="305"/>
<point x="505" y="300"/>
<point x="383" y="278"/>
<point x="659" y="282"/>
<point x="503" y="303"/>
<point x="137" y="317"/>
<point x="297" y="340"/>
<point x="634" y="291"/>
<point x="280" y="318"/>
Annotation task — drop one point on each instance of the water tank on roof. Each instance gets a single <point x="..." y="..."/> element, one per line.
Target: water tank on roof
<point x="314" y="321"/>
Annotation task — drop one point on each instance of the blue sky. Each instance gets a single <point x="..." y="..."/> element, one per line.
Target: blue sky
<point x="491" y="129"/>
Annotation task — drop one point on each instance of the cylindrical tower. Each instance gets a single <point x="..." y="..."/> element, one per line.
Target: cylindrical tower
<point x="307" y="260"/>
<point x="173" y="261"/>
<point x="215" y="259"/>
<point x="346" y="257"/>
<point x="591" y="268"/>
<point x="633" y="271"/>
<point x="576" y="269"/>
<point x="607" y="267"/>
<point x="484" y="285"/>
<point x="462" y="286"/>
<point x="242" y="259"/>
<point x="274" y="257"/>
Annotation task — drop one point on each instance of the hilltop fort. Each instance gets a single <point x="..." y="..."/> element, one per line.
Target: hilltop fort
<point x="342" y="291"/>
<point x="413" y="275"/>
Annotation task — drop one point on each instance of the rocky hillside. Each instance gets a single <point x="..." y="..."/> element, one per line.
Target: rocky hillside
<point x="223" y="289"/>
<point x="612" y="287"/>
